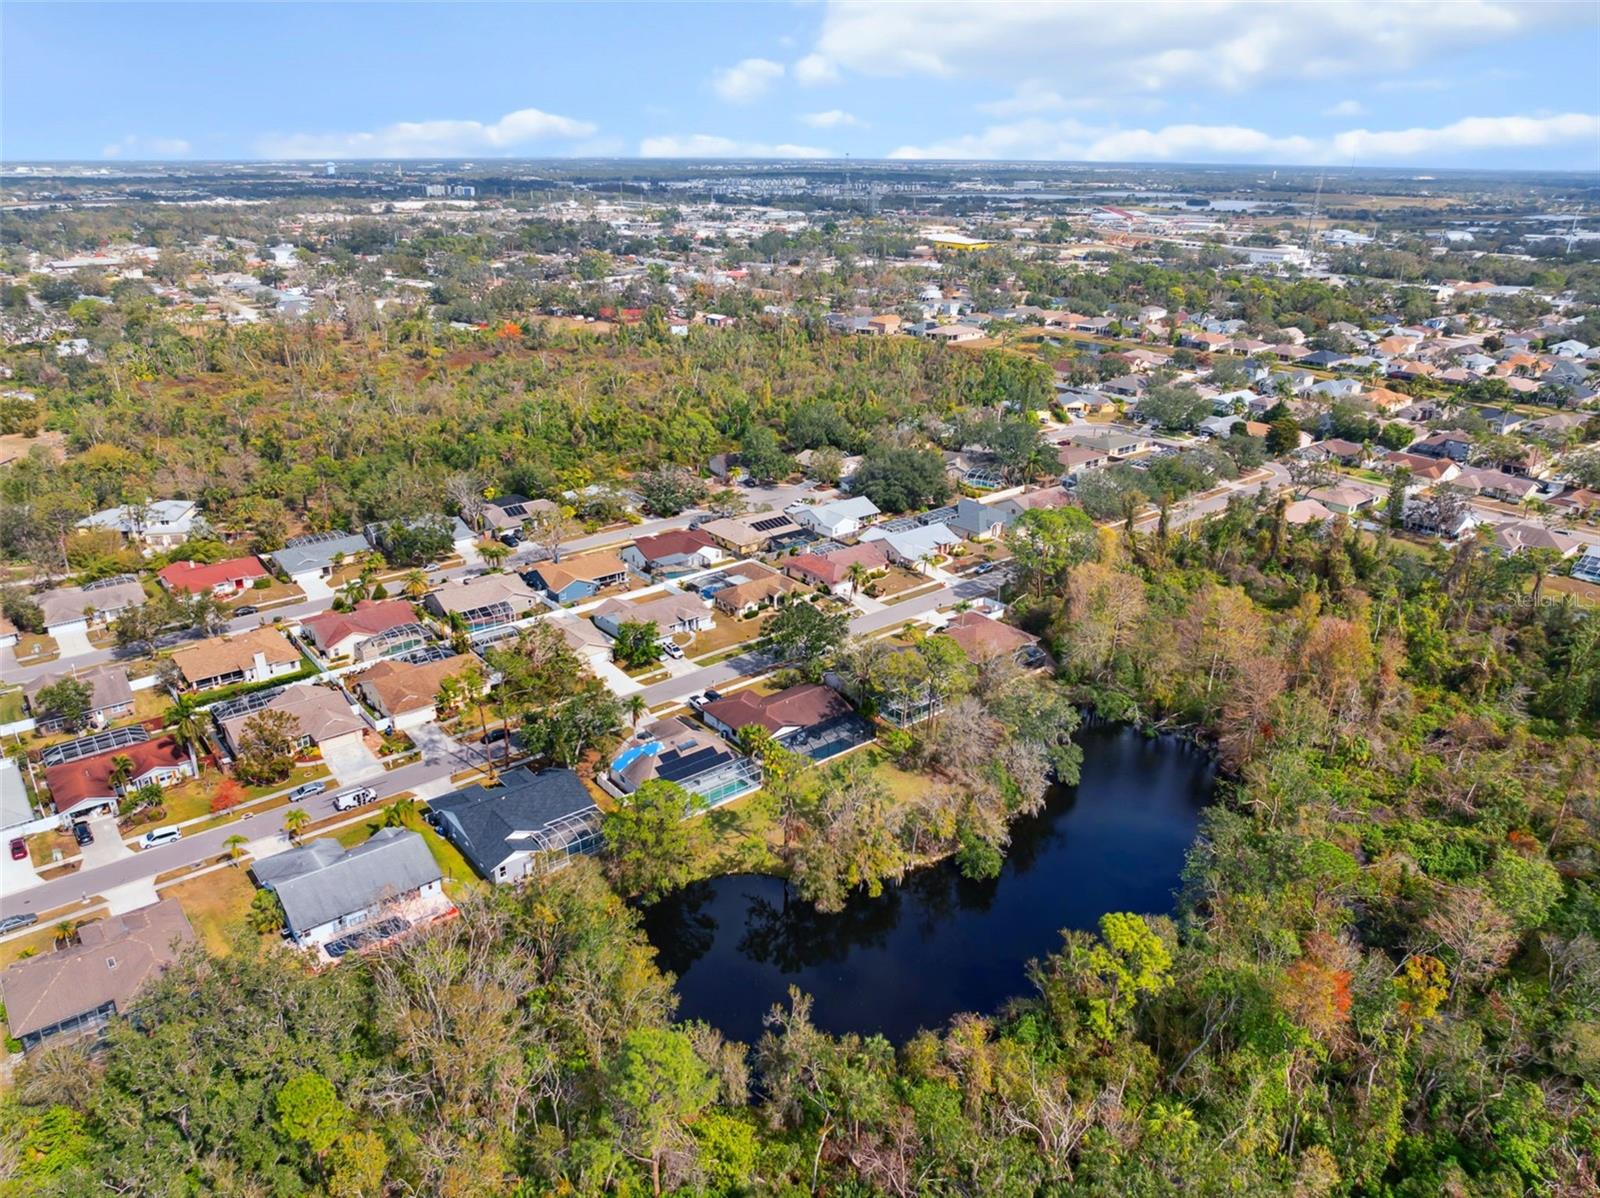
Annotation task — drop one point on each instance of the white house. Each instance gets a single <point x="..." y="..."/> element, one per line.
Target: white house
<point x="840" y="518"/>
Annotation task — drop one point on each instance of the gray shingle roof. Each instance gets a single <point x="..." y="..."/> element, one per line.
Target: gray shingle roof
<point x="320" y="882"/>
<point x="314" y="553"/>
<point x="490" y="825"/>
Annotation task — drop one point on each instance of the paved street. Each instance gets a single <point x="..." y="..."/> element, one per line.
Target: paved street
<point x="431" y="775"/>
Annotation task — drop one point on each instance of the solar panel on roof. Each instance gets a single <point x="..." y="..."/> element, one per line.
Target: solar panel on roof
<point x="91" y="746"/>
<point x="769" y="523"/>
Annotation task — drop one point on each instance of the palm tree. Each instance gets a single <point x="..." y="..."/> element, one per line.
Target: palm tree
<point x="187" y="724"/>
<point x="66" y="932"/>
<point x="635" y="706"/>
<point x="296" y="819"/>
<point x="121" y="771"/>
<point x="416" y="584"/>
<point x="235" y="846"/>
<point x="494" y="553"/>
<point x="398" y="812"/>
<point x="858" y="575"/>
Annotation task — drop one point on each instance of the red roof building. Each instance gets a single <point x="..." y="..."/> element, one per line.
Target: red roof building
<point x="218" y="578"/>
<point x="82" y="785"/>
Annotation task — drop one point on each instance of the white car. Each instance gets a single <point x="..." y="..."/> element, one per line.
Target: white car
<point x="159" y="836"/>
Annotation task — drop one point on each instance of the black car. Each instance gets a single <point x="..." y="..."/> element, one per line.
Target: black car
<point x="12" y="922"/>
<point x="510" y="539"/>
<point x="494" y="736"/>
<point x="82" y="834"/>
<point x="247" y="609"/>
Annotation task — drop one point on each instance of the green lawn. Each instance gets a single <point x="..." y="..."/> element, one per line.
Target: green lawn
<point x="457" y="873"/>
<point x="216" y="904"/>
<point x="11" y="707"/>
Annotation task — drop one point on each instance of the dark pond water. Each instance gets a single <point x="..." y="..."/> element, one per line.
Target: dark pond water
<point x="938" y="945"/>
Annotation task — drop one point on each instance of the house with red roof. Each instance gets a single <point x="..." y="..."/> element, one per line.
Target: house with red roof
<point x="216" y="578"/>
<point x="79" y="787"/>
<point x="337" y="634"/>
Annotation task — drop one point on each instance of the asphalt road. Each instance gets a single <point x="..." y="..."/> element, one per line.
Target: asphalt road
<point x="198" y="848"/>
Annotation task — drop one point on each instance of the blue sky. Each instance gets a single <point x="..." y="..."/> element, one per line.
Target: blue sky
<point x="1470" y="84"/>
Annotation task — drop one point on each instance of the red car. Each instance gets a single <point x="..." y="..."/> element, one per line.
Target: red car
<point x="19" y="848"/>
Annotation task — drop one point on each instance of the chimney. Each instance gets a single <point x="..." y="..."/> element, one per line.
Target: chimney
<point x="259" y="665"/>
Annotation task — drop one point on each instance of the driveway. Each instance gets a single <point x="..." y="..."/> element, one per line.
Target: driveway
<point x="107" y="847"/>
<point x="350" y="760"/>
<point x="316" y="589"/>
<point x="437" y="746"/>
<point x="73" y="643"/>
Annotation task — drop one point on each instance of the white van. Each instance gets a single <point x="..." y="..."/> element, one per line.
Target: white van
<point x="159" y="836"/>
<point x="351" y="799"/>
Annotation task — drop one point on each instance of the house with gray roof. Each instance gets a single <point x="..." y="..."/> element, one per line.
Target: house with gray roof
<point x="316" y="554"/>
<point x="329" y="891"/>
<point x="531" y="820"/>
<point x="164" y="524"/>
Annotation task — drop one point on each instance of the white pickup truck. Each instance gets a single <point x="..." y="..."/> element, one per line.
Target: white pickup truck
<point x="349" y="800"/>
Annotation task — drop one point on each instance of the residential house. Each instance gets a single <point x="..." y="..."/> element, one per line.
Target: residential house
<point x="983" y="521"/>
<point x="834" y="572"/>
<point x="753" y="533"/>
<point x="1077" y="460"/>
<point x="953" y="334"/>
<point x="164" y="524"/>
<point x="675" y="552"/>
<point x="487" y="602"/>
<point x="381" y="886"/>
<point x="531" y="820"/>
<point x="916" y="548"/>
<point x="575" y="579"/>
<point x="1496" y="484"/>
<point x="1449" y="443"/>
<point x="1515" y="536"/>
<point x="74" y="610"/>
<point x="319" y="716"/>
<point x="883" y="325"/>
<point x="982" y="639"/>
<point x="221" y="579"/>
<point x="317" y="555"/>
<point x="759" y="587"/>
<point x="675" y="750"/>
<point x="1306" y="511"/>
<point x="670" y="613"/>
<point x="840" y="518"/>
<point x="463" y="541"/>
<point x="1346" y="497"/>
<point x="1346" y="453"/>
<point x="505" y="513"/>
<point x="110" y="696"/>
<point x="1114" y="443"/>
<point x="84" y="785"/>
<point x="403" y="692"/>
<point x="340" y="635"/>
<point x="77" y="990"/>
<point x="259" y="655"/>
<point x="1337" y="388"/>
<point x="810" y="718"/>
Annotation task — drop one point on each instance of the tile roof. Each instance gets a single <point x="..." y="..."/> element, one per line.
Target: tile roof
<point x="676" y="543"/>
<point x="220" y="655"/>
<point x="400" y="687"/>
<point x="74" y="782"/>
<point x="370" y="616"/>
<point x="196" y="578"/>
<point x="980" y="637"/>
<point x="800" y="706"/>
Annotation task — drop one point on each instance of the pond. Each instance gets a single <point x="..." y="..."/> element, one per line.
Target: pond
<point x="937" y="944"/>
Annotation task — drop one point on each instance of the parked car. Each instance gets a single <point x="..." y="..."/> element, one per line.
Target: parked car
<point x="494" y="736"/>
<point x="349" y="800"/>
<point x="672" y="649"/>
<point x="82" y="834"/>
<point x="306" y="790"/>
<point x="511" y="539"/>
<point x="984" y="568"/>
<point x="19" y="848"/>
<point x="159" y="836"/>
<point x="246" y="609"/>
<point x="712" y="696"/>
<point x="23" y="920"/>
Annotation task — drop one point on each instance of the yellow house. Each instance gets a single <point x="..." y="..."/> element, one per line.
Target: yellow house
<point x="956" y="243"/>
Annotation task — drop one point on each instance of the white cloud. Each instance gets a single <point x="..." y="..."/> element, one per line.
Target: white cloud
<point x="1077" y="49"/>
<point x="1471" y="133"/>
<point x="1072" y="140"/>
<point x="834" y="118"/>
<point x="1346" y="108"/>
<point x="814" y="69"/>
<point x="708" y="145"/>
<point x="133" y="146"/>
<point x="430" y="139"/>
<point x="1029" y="97"/>
<point x="746" y="80"/>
